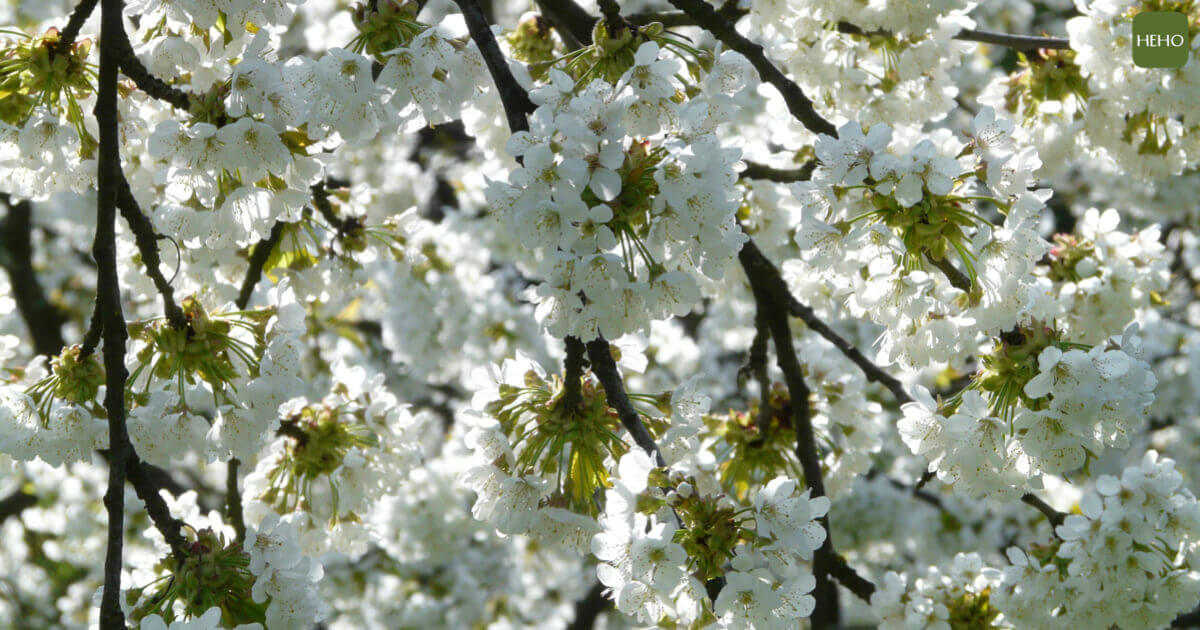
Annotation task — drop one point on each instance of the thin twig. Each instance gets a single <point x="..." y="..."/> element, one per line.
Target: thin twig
<point x="147" y="243"/>
<point x="1016" y="42"/>
<point x="958" y="279"/>
<point x="754" y="170"/>
<point x="798" y="104"/>
<point x="41" y="317"/>
<point x="1055" y="517"/>
<point x="772" y="276"/>
<point x="153" y="86"/>
<point x="589" y="608"/>
<point x="756" y="364"/>
<point x="233" y="500"/>
<point x="517" y="105"/>
<point x="15" y="503"/>
<point x="772" y="301"/>
<point x="606" y="372"/>
<point x="140" y="477"/>
<point x="75" y="23"/>
<point x="573" y="372"/>
<point x="258" y="260"/>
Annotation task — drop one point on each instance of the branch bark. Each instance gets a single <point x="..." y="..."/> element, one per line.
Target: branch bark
<point x="147" y="244"/>
<point x="798" y="104"/>
<point x="108" y="304"/>
<point x="770" y="301"/>
<point x="42" y="318"/>
<point x="605" y="369"/>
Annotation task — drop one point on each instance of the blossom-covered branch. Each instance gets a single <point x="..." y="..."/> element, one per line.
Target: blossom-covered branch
<point x="798" y="104"/>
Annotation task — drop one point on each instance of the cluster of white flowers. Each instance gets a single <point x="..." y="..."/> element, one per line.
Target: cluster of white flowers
<point x="625" y="193"/>
<point x="1131" y="555"/>
<point x="362" y="154"/>
<point x="939" y="601"/>
<point x="334" y="459"/>
<point x="265" y="581"/>
<point x="905" y="210"/>
<point x="1143" y="119"/>
<point x="1101" y="276"/>
<point x="993" y="439"/>
<point x="893" y="63"/>
<point x="654" y="559"/>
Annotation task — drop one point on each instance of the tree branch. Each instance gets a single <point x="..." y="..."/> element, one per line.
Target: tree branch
<point x="147" y="244"/>
<point x="573" y="369"/>
<point x="108" y="303"/>
<point x="772" y="301"/>
<point x="42" y="318"/>
<point x="1055" y="517"/>
<point x="605" y="370"/>
<point x="517" y="105"/>
<point x="233" y="500"/>
<point x="798" y="104"/>
<point x="75" y="23"/>
<point x="140" y="475"/>
<point x="153" y="86"/>
<point x="589" y="608"/>
<point x="258" y="260"/>
<point x="772" y="277"/>
<point x="958" y="279"/>
<point x="15" y="503"/>
<point x="1016" y="42"/>
<point x="754" y="170"/>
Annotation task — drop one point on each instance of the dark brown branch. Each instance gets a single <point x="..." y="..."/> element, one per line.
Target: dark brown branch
<point x="1016" y="42"/>
<point x="754" y="170"/>
<point x="849" y="578"/>
<point x="605" y="370"/>
<point x="957" y="278"/>
<point x="15" y="503"/>
<point x="42" y="318"/>
<point x="798" y="104"/>
<point x="70" y="32"/>
<point x="153" y="86"/>
<point x="91" y="338"/>
<point x="573" y="372"/>
<point x="672" y="19"/>
<point x="108" y="303"/>
<point x="517" y="105"/>
<point x="147" y="243"/>
<point x="1055" y="517"/>
<point x="756" y="364"/>
<point x="233" y="500"/>
<point x="772" y="277"/>
<point x="1187" y="620"/>
<point x="572" y="22"/>
<point x="771" y="298"/>
<point x="142" y="476"/>
<point x="258" y="260"/>
<point x="589" y="608"/>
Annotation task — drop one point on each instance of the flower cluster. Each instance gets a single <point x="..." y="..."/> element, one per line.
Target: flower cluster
<point x="958" y="600"/>
<point x="333" y="460"/>
<point x="1130" y="555"/>
<point x="1038" y="406"/>
<point x="908" y="214"/>
<point x="624" y="191"/>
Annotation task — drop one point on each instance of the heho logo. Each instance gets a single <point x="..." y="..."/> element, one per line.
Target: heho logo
<point x="1160" y="39"/>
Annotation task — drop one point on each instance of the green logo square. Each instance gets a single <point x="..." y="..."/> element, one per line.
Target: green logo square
<point x="1160" y="39"/>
